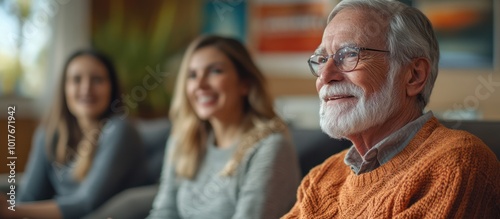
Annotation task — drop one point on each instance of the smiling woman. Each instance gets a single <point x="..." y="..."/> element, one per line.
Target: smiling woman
<point x="229" y="154"/>
<point x="213" y="86"/>
<point x="82" y="150"/>
<point x="88" y="87"/>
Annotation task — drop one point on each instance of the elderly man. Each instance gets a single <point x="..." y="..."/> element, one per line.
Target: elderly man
<point x="376" y="67"/>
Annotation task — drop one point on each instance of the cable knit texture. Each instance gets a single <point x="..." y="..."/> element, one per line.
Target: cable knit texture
<point x="442" y="173"/>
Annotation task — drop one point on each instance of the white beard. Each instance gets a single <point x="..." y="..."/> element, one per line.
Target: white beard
<point x="344" y="119"/>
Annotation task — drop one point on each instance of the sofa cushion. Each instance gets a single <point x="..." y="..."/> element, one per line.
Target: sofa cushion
<point x="154" y="134"/>
<point x="313" y="147"/>
<point x="488" y="131"/>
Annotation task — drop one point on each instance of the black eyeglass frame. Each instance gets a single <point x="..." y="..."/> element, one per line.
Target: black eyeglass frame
<point x="332" y="56"/>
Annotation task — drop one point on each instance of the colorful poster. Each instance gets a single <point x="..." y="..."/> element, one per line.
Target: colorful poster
<point x="288" y="25"/>
<point x="464" y="30"/>
<point x="227" y="18"/>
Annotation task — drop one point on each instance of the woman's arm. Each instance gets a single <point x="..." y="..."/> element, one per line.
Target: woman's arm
<point x="118" y="154"/>
<point x="117" y="159"/>
<point x="47" y="209"/>
<point x="165" y="203"/>
<point x="35" y="189"/>
<point x="270" y="181"/>
<point x="35" y="184"/>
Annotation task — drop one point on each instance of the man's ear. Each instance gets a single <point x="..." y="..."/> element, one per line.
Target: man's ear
<point x="416" y="77"/>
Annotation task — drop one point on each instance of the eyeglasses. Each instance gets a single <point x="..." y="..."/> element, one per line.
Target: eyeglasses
<point x="346" y="59"/>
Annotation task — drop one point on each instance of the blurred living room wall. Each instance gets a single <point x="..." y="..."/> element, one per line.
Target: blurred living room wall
<point x="147" y="39"/>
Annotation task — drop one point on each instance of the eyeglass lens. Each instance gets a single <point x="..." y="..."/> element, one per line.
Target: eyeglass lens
<point x="345" y="59"/>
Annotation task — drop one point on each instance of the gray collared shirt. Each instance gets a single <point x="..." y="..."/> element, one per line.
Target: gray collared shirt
<point x="385" y="149"/>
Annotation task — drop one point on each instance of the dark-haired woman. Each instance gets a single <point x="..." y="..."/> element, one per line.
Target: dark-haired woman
<point x="82" y="153"/>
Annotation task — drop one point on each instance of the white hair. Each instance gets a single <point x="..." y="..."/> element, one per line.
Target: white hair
<point x="410" y="35"/>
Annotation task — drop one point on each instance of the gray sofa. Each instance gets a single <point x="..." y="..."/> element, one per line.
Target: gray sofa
<point x="313" y="146"/>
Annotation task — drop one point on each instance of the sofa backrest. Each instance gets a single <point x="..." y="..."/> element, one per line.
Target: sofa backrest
<point x="488" y="131"/>
<point x="313" y="147"/>
<point x="154" y="134"/>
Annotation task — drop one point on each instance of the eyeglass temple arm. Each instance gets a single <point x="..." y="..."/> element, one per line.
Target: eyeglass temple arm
<point x="376" y="50"/>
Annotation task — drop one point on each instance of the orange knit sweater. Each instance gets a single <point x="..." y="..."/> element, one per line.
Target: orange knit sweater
<point x="442" y="173"/>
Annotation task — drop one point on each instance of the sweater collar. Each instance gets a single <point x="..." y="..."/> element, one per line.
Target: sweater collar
<point x="400" y="160"/>
<point x="386" y="149"/>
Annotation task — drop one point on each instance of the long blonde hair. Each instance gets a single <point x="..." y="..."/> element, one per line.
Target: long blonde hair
<point x="190" y="132"/>
<point x="64" y="139"/>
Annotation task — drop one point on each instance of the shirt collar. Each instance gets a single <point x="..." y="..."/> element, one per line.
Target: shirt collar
<point x="386" y="149"/>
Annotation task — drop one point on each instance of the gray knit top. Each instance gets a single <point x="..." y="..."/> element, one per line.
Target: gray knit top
<point x="117" y="165"/>
<point x="264" y="185"/>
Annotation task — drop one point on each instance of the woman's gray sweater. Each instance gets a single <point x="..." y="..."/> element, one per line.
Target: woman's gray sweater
<point x="117" y="165"/>
<point x="264" y="185"/>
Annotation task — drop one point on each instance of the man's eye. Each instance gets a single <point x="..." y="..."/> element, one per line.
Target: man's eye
<point x="322" y="59"/>
<point x="351" y="54"/>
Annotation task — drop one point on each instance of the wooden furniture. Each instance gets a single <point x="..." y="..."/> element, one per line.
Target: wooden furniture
<point x="25" y="129"/>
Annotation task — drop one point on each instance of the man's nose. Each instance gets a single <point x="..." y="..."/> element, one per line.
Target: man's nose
<point x="330" y="73"/>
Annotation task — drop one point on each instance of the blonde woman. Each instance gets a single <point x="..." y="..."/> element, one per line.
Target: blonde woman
<point x="229" y="155"/>
<point x="82" y="153"/>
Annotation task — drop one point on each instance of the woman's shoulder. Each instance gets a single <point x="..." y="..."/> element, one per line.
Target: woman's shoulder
<point x="273" y="143"/>
<point x="40" y="132"/>
<point x="276" y="137"/>
<point x="39" y="138"/>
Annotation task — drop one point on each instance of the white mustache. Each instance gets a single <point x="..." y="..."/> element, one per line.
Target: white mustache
<point x="340" y="89"/>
